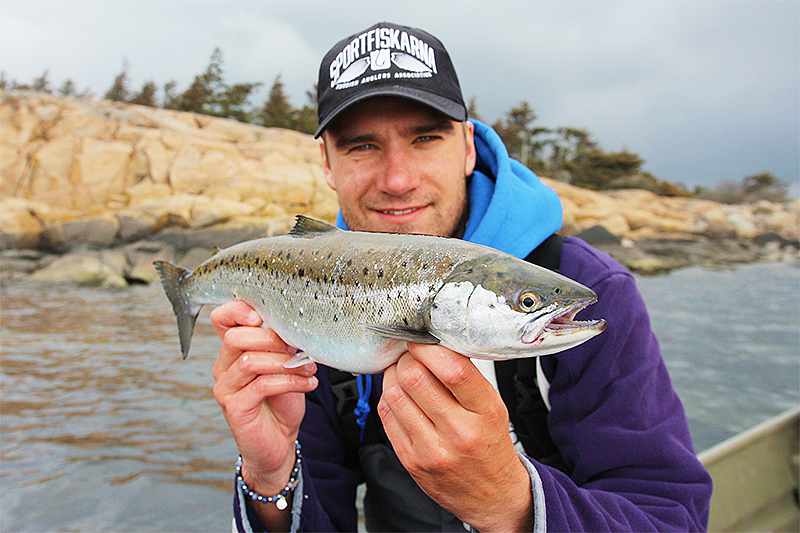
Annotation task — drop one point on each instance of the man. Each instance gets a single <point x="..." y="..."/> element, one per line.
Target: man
<point x="398" y="150"/>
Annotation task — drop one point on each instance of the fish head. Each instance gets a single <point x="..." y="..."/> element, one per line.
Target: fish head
<point x="500" y="307"/>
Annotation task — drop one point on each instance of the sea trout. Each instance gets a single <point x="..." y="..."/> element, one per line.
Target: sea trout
<point x="352" y="300"/>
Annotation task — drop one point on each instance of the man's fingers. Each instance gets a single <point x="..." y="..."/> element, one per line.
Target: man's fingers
<point x="233" y="314"/>
<point x="240" y="339"/>
<point x="400" y="415"/>
<point x="254" y="365"/>
<point x="254" y="339"/>
<point x="256" y="377"/>
<point x="457" y="373"/>
<point x="266" y="386"/>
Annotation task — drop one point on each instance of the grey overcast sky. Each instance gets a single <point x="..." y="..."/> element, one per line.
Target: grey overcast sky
<point x="705" y="91"/>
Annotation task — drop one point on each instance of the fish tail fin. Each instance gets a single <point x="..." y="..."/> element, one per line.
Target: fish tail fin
<point x="172" y="279"/>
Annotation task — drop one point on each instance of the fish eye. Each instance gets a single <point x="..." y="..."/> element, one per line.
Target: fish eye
<point x="527" y="301"/>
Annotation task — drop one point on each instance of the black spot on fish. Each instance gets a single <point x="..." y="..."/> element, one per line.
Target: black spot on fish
<point x="424" y="266"/>
<point x="288" y="255"/>
<point x="330" y="254"/>
<point x="335" y="318"/>
<point x="366" y="271"/>
<point x="301" y="273"/>
<point x="405" y="321"/>
<point x="405" y="264"/>
<point x="349" y="262"/>
<point x="380" y="273"/>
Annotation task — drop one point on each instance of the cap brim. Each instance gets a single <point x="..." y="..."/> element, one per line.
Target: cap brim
<point x="443" y="105"/>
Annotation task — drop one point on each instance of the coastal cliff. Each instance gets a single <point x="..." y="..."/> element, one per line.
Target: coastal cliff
<point x="91" y="191"/>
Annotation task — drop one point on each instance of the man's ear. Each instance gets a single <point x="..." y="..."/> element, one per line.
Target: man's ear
<point x="326" y="166"/>
<point x="471" y="154"/>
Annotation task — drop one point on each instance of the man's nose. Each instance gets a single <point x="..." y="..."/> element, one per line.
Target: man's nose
<point x="398" y="175"/>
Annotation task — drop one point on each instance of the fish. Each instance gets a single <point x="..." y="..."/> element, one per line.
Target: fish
<point x="352" y="300"/>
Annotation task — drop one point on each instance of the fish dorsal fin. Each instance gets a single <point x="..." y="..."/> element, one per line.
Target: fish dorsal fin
<point x="308" y="227"/>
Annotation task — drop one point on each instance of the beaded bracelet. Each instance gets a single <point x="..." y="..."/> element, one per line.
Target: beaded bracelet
<point x="280" y="498"/>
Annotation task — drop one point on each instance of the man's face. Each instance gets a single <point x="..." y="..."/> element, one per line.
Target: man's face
<point x="399" y="167"/>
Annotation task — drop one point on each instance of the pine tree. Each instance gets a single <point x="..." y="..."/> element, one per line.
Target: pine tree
<point x="67" y="88"/>
<point x="119" y="91"/>
<point x="472" y="109"/>
<point x="42" y="83"/>
<point x="147" y="95"/>
<point x="277" y="111"/>
<point x="201" y="96"/>
<point x="170" y="98"/>
<point x="232" y="102"/>
<point x="305" y="119"/>
<point x="520" y="136"/>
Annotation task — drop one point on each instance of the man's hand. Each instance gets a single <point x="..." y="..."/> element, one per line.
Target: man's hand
<point x="449" y="428"/>
<point x="262" y="401"/>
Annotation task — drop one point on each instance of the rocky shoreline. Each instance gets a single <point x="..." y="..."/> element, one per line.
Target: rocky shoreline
<point x="121" y="266"/>
<point x="93" y="191"/>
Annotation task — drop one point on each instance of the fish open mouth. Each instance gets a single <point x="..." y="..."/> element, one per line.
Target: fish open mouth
<point x="566" y="324"/>
<point x="562" y="324"/>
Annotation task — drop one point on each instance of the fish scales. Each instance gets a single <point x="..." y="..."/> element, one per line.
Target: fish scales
<point x="347" y="299"/>
<point x="340" y="283"/>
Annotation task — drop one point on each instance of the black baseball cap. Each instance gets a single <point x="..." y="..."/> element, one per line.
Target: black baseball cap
<point x="388" y="60"/>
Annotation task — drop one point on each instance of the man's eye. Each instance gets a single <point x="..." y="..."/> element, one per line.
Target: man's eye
<point x="425" y="138"/>
<point x="362" y="147"/>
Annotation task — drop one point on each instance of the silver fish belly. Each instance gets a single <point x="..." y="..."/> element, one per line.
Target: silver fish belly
<point x="352" y="300"/>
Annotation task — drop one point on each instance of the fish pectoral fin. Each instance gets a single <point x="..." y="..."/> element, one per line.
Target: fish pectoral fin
<point x="308" y="227"/>
<point x="402" y="334"/>
<point x="299" y="359"/>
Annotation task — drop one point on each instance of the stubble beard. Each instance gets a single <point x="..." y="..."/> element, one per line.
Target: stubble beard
<point x="450" y="223"/>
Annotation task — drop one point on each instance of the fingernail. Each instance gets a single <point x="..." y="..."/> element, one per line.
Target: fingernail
<point x="253" y="317"/>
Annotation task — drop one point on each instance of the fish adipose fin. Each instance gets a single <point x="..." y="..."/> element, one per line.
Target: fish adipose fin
<point x="402" y="334"/>
<point x="171" y="278"/>
<point x="308" y="227"/>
